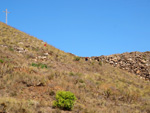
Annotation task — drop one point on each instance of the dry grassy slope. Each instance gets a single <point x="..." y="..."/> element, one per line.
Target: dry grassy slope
<point x="25" y="88"/>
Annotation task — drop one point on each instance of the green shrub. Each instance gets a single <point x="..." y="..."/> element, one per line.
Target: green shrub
<point x="1" y="61"/>
<point x="34" y="65"/>
<point x="71" y="74"/>
<point x="76" y="58"/>
<point x="43" y="66"/>
<point x="64" y="100"/>
<point x="39" y="65"/>
<point x="11" y="49"/>
<point x="81" y="81"/>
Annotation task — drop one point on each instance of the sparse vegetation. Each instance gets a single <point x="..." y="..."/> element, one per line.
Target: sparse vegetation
<point x="31" y="84"/>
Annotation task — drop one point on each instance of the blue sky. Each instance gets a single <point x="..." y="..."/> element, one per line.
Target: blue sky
<point x="83" y="27"/>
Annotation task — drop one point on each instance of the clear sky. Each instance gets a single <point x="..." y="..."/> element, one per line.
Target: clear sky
<point x="83" y="27"/>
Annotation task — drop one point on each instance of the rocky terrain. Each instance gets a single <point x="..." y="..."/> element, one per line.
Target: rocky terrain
<point x="133" y="62"/>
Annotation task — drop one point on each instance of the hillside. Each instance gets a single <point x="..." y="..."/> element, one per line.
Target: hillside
<point x="31" y="74"/>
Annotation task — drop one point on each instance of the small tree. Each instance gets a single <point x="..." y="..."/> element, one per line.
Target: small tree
<point x="64" y="100"/>
<point x="76" y="58"/>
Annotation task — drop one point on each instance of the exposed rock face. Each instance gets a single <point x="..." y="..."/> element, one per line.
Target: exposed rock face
<point x="134" y="62"/>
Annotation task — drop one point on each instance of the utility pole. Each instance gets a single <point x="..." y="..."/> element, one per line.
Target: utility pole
<point x="6" y="14"/>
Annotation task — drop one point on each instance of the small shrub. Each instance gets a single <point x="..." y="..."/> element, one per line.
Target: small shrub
<point x="81" y="81"/>
<point x="43" y="66"/>
<point x="71" y="74"/>
<point x="35" y="49"/>
<point x="100" y="63"/>
<point x="11" y="49"/>
<point x="39" y="65"/>
<point x="50" y="77"/>
<point x="107" y="93"/>
<point x="93" y="63"/>
<point x="64" y="100"/>
<point x="14" y="93"/>
<point x="130" y="97"/>
<point x="51" y="93"/>
<point x="77" y="58"/>
<point x="30" y="55"/>
<point x="1" y="61"/>
<point x="51" y="52"/>
<point x="83" y="85"/>
<point x="34" y="65"/>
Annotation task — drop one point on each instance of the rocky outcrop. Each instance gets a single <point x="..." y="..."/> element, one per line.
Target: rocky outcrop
<point x="134" y="62"/>
<point x="20" y="50"/>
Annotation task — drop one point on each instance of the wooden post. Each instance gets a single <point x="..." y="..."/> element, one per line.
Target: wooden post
<point x="6" y="14"/>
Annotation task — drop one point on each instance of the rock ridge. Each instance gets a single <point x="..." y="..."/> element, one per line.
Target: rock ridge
<point x="133" y="62"/>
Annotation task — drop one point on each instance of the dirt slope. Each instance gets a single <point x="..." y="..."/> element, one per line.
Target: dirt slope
<point x="31" y="74"/>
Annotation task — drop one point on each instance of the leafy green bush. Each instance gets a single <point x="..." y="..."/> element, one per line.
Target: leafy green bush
<point x="1" y="61"/>
<point x="64" y="100"/>
<point x="76" y="58"/>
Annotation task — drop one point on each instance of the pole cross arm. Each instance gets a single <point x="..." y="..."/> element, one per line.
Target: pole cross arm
<point x="6" y="14"/>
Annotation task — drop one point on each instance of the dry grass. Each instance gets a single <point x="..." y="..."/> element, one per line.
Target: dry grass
<point x="9" y="104"/>
<point x="99" y="88"/>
